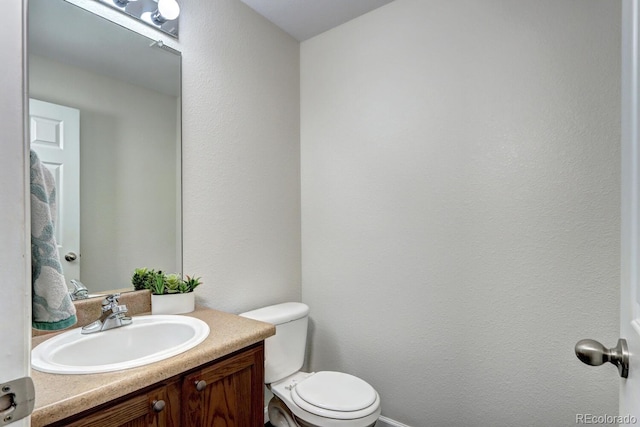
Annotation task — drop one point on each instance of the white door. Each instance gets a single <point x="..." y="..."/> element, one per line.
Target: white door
<point x="630" y="274"/>
<point x="55" y="137"/>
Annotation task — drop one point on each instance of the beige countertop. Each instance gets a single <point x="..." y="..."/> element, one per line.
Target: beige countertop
<point x="60" y="396"/>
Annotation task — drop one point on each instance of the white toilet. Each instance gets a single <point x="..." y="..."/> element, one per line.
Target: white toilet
<point x="316" y="399"/>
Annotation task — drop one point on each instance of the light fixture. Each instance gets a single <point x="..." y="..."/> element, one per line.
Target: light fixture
<point x="160" y="14"/>
<point x="167" y="10"/>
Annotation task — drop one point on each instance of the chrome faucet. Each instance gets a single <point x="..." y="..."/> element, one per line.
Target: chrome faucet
<point x="113" y="316"/>
<point x="80" y="290"/>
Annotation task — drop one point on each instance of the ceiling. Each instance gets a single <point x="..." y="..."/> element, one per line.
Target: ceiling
<point x="304" y="19"/>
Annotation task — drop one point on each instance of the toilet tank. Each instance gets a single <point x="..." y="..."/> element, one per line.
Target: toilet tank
<point x="283" y="352"/>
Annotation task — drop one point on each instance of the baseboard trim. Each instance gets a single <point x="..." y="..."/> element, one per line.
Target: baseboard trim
<point x="388" y="422"/>
<point x="382" y="421"/>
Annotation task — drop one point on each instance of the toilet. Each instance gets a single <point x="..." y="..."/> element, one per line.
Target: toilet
<point x="308" y="399"/>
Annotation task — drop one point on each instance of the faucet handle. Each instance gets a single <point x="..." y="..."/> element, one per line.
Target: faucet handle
<point x="111" y="298"/>
<point x="78" y="285"/>
<point x="120" y="309"/>
<point x="110" y="301"/>
<point x="80" y="290"/>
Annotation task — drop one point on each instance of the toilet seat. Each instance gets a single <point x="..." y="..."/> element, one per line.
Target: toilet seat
<point x="314" y="415"/>
<point x="336" y="395"/>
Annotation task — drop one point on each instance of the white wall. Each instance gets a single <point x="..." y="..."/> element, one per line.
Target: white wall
<point x="460" y="206"/>
<point x="15" y="269"/>
<point x="456" y="260"/>
<point x="241" y="179"/>
<point x="127" y="168"/>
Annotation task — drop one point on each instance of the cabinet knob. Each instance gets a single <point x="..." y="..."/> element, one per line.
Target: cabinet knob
<point x="201" y="385"/>
<point x="158" y="405"/>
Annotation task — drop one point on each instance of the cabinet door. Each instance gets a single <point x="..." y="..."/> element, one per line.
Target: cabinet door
<point x="137" y="411"/>
<point x="232" y="396"/>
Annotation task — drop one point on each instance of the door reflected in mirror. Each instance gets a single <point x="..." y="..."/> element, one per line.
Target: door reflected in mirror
<point x="119" y="201"/>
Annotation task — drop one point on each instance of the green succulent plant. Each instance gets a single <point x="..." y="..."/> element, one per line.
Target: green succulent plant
<point x="183" y="288"/>
<point x="159" y="283"/>
<point x="141" y="278"/>
<point x="172" y="283"/>
<point x="192" y="283"/>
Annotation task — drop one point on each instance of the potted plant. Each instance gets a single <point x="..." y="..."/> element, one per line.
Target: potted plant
<point x="170" y="294"/>
<point x="142" y="279"/>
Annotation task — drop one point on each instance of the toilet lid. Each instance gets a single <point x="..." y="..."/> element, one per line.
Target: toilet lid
<point x="335" y="391"/>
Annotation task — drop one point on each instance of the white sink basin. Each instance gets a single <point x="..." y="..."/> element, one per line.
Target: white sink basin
<point x="148" y="339"/>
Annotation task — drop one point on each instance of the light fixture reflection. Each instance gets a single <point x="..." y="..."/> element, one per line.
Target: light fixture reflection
<point x="168" y="10"/>
<point x="161" y="14"/>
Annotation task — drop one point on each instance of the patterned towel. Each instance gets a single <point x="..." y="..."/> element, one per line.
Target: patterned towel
<point x="52" y="305"/>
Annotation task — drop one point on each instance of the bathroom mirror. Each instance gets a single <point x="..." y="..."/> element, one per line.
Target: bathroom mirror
<point x="125" y="90"/>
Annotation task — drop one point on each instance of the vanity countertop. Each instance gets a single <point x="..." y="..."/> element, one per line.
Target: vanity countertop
<point x="60" y="396"/>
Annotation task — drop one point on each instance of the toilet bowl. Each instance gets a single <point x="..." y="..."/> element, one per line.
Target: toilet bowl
<point x="326" y="399"/>
<point x="315" y="399"/>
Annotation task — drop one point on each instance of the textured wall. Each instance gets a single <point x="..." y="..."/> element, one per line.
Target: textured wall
<point x="460" y="206"/>
<point x="241" y="156"/>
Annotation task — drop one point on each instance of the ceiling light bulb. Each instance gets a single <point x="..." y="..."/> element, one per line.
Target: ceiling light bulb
<point x="168" y="10"/>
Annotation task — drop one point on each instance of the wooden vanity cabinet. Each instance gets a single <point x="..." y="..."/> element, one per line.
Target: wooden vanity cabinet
<point x="224" y="393"/>
<point x="135" y="411"/>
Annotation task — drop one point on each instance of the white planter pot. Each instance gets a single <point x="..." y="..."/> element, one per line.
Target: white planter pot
<point x="173" y="303"/>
